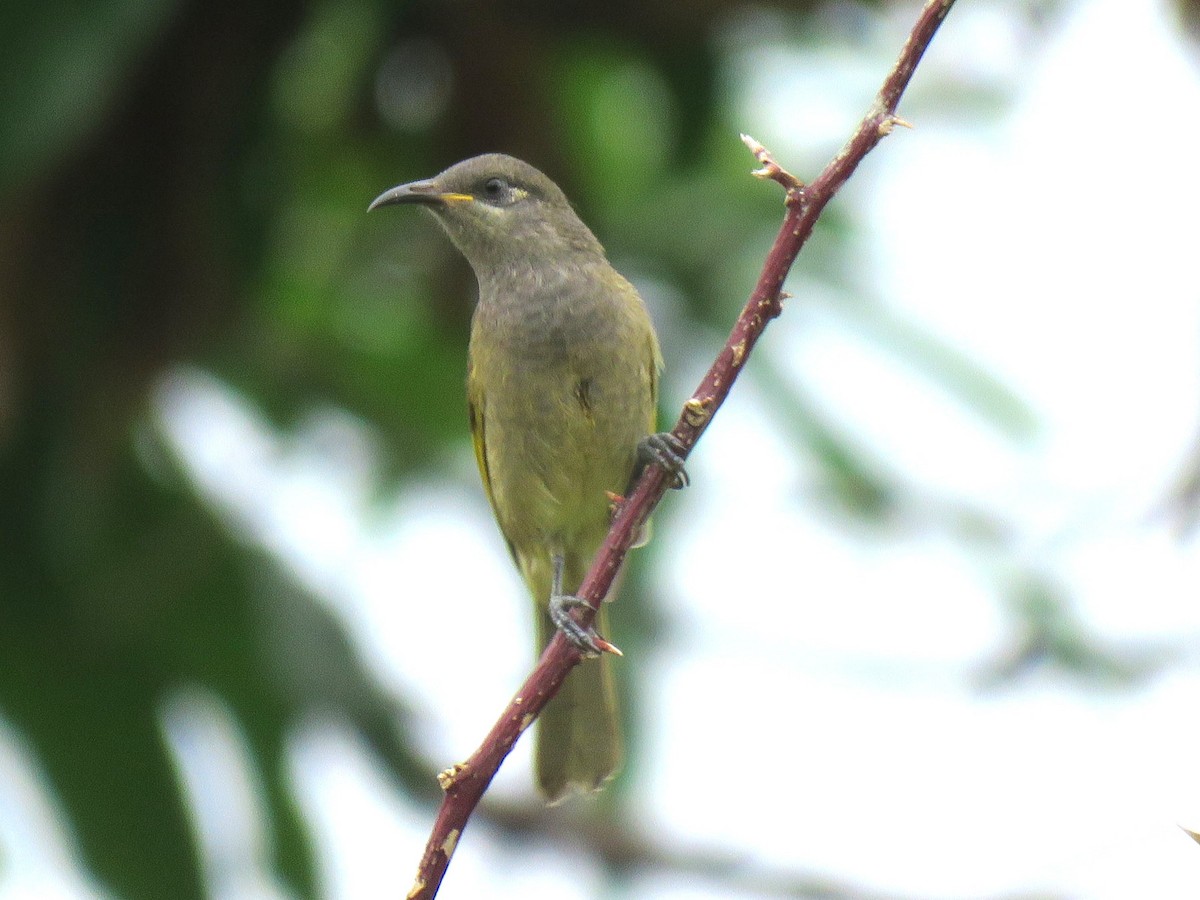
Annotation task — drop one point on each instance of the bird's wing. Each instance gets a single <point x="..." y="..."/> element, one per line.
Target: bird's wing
<point x="656" y="365"/>
<point x="475" y="407"/>
<point x="475" y="410"/>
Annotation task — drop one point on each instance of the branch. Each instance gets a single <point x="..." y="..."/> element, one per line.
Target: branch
<point x="465" y="783"/>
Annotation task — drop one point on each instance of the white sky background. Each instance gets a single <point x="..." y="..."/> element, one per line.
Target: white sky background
<point x="1056" y="245"/>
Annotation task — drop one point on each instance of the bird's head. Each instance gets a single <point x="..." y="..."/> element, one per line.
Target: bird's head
<point x="500" y="212"/>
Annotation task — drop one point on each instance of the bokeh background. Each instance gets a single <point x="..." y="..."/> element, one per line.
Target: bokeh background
<point x="926" y="623"/>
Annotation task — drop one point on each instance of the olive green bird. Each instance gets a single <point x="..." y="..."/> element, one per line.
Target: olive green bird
<point x="562" y="387"/>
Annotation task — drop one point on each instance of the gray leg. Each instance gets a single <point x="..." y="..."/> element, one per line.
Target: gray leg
<point x="561" y="605"/>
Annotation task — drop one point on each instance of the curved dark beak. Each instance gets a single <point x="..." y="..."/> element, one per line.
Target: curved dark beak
<point x="423" y="192"/>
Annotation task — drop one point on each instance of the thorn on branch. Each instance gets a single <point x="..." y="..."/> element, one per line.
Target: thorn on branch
<point x="696" y="412"/>
<point x="889" y="122"/>
<point x="777" y="307"/>
<point x="607" y="646"/>
<point x="447" y="777"/>
<point x="770" y="168"/>
<point x="615" y="501"/>
<point x="771" y="306"/>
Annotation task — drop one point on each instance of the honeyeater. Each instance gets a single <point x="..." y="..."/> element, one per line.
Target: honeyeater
<point x="562" y="385"/>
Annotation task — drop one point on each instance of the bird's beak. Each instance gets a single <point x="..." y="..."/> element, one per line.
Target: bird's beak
<point x="424" y="192"/>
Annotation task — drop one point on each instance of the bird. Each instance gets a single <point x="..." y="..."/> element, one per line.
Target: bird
<point x="562" y="391"/>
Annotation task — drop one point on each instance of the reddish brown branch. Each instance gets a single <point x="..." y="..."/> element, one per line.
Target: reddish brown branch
<point x="465" y="784"/>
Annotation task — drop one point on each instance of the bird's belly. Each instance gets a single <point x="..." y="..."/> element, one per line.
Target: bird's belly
<point x="556" y="445"/>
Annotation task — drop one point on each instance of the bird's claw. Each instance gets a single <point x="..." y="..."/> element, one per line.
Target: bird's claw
<point x="667" y="451"/>
<point x="585" y="640"/>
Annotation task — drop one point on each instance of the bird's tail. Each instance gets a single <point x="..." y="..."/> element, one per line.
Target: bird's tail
<point x="578" y="735"/>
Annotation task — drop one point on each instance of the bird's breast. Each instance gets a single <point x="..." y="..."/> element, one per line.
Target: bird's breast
<point x="565" y="397"/>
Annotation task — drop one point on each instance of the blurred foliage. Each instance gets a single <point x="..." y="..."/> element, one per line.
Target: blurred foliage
<point x="185" y="182"/>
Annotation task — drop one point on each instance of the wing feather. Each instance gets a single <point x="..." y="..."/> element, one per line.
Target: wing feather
<point x="475" y="410"/>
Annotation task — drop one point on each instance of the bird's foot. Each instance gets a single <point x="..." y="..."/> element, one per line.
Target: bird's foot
<point x="667" y="451"/>
<point x="585" y="640"/>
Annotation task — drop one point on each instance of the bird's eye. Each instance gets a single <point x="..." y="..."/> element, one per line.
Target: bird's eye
<point x="494" y="187"/>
